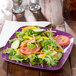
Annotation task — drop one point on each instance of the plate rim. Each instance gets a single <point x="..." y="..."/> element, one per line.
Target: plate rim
<point x="51" y="68"/>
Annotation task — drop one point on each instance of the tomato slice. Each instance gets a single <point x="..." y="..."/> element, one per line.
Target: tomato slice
<point x="62" y="40"/>
<point x="28" y="51"/>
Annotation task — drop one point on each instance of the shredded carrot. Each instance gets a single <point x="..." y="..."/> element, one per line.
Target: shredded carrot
<point x="49" y="31"/>
<point x="24" y="43"/>
<point x="56" y="37"/>
<point x="51" y="48"/>
<point x="57" y="55"/>
<point x="18" y="39"/>
<point x="41" y="51"/>
<point x="33" y="37"/>
<point x="36" y="44"/>
<point x="35" y="40"/>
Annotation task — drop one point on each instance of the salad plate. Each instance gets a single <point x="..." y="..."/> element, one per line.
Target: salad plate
<point x="66" y="52"/>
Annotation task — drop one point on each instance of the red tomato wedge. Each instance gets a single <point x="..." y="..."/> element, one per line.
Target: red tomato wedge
<point x="62" y="40"/>
<point x="28" y="51"/>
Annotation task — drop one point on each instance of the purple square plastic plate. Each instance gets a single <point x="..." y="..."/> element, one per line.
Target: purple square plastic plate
<point x="60" y="63"/>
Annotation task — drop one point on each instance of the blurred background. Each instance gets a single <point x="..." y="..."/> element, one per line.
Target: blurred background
<point x="50" y="10"/>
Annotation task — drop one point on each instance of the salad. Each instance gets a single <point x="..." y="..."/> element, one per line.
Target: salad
<point x="37" y="46"/>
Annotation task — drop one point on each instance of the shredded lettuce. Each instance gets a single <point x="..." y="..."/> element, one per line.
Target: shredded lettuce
<point x="12" y="40"/>
<point x="20" y="34"/>
<point x="18" y="58"/>
<point x="49" y="56"/>
<point x="34" y="60"/>
<point x="51" y="61"/>
<point x="8" y="51"/>
<point x="50" y="35"/>
<point x="31" y="46"/>
<point x="13" y="55"/>
<point x="45" y="44"/>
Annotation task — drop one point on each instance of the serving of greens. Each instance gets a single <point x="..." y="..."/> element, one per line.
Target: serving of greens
<point x="36" y="46"/>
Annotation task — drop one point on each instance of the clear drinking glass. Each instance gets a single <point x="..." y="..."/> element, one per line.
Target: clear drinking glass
<point x="34" y="5"/>
<point x="18" y="6"/>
